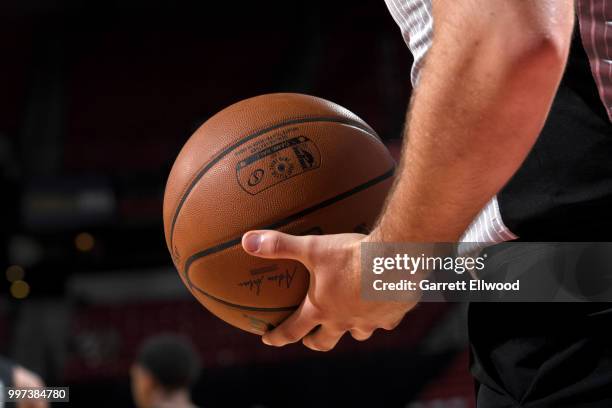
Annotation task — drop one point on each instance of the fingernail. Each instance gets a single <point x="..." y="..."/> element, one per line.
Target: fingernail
<point x="252" y="242"/>
<point x="265" y="341"/>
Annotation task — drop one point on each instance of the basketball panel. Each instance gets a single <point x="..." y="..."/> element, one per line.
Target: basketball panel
<point x="274" y="176"/>
<point x="236" y="122"/>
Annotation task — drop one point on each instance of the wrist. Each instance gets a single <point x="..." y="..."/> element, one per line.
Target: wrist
<point x="373" y="236"/>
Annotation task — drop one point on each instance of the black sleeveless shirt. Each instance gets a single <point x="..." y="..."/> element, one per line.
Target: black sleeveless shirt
<point x="556" y="354"/>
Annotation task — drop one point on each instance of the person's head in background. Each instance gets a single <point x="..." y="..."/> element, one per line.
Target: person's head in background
<point x="165" y="369"/>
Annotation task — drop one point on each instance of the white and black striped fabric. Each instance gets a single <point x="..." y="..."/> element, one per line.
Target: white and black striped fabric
<point x="415" y="20"/>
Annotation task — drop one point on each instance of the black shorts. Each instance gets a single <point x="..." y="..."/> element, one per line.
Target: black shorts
<point x="541" y="354"/>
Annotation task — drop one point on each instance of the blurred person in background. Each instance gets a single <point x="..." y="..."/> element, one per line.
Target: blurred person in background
<point x="15" y="376"/>
<point x="163" y="373"/>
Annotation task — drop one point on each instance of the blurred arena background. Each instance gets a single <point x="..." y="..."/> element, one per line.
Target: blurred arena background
<point x="96" y="99"/>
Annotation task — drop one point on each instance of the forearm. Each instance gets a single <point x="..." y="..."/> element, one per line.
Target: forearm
<point x="483" y="97"/>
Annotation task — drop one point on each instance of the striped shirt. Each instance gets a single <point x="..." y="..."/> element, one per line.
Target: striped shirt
<point x="414" y="18"/>
<point x="595" y="17"/>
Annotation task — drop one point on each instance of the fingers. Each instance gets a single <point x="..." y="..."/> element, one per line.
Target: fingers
<point x="294" y="328"/>
<point x="392" y="325"/>
<point x="324" y="338"/>
<point x="361" y="335"/>
<point x="274" y="244"/>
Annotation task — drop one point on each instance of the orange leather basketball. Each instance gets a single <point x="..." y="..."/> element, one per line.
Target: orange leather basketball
<point x="290" y="162"/>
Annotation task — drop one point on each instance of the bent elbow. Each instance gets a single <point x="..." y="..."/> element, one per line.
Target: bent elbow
<point x="544" y="50"/>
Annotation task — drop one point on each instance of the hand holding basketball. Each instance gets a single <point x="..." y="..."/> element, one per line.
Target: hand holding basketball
<point x="288" y="162"/>
<point x="333" y="304"/>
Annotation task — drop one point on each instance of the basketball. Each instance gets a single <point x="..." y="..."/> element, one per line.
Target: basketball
<point x="290" y="162"/>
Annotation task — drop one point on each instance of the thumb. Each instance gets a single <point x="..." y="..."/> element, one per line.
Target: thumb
<point x="274" y="244"/>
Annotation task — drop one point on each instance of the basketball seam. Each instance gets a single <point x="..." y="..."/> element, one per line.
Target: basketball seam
<point x="185" y="190"/>
<point x="227" y="150"/>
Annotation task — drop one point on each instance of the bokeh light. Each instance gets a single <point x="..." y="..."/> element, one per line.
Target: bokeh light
<point x="14" y="273"/>
<point x="20" y="289"/>
<point x="84" y="242"/>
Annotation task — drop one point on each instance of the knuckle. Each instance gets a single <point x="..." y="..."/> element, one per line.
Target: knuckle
<point x="310" y="246"/>
<point x="276" y="244"/>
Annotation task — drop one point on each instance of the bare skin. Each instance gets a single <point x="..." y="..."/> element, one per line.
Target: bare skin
<point x="483" y="97"/>
<point x="23" y="378"/>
